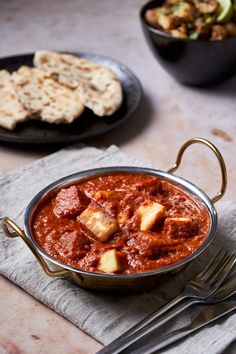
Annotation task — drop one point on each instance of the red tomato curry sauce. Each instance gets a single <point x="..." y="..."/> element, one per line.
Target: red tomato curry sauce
<point x="121" y="223"/>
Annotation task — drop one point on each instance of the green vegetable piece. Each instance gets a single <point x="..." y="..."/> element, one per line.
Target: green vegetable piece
<point x="193" y="35"/>
<point x="165" y="12"/>
<point x="208" y="19"/>
<point x="190" y="25"/>
<point x="176" y="7"/>
<point x="225" y="11"/>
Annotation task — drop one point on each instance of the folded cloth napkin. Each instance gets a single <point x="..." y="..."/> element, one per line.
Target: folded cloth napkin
<point x="103" y="316"/>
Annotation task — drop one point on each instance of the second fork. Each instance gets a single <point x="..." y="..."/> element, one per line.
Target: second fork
<point x="201" y="287"/>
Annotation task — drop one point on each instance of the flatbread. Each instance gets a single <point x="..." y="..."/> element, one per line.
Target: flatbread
<point x="11" y="111"/>
<point x="98" y="87"/>
<point x="45" y="98"/>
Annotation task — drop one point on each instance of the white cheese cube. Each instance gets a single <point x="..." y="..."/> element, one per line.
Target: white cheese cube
<point x="150" y="213"/>
<point x="184" y="11"/>
<point x="178" y="219"/>
<point x="109" y="262"/>
<point x="98" y="222"/>
<point x="164" y="21"/>
<point x="107" y="195"/>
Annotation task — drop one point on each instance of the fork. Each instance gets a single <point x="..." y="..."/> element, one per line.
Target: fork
<point x="225" y="291"/>
<point x="200" y="287"/>
<point x="201" y="319"/>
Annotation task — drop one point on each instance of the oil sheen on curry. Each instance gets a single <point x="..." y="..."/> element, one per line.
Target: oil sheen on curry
<point x="121" y="223"/>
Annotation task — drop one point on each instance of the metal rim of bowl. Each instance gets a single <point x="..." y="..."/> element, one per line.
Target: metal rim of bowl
<point x="84" y="175"/>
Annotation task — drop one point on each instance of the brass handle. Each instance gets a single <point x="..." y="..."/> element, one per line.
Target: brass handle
<point x="220" y="159"/>
<point x="8" y="224"/>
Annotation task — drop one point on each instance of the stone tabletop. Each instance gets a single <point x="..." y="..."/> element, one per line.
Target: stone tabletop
<point x="168" y="115"/>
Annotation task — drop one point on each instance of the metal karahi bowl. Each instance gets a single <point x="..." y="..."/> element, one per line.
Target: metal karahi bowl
<point x="117" y="282"/>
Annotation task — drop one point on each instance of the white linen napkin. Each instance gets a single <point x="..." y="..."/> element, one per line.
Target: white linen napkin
<point x="103" y="316"/>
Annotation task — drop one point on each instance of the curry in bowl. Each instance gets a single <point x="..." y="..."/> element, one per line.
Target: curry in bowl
<point x="121" y="223"/>
<point x="120" y="228"/>
<point x="194" y="19"/>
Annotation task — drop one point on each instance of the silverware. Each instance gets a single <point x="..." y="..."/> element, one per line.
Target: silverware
<point x="226" y="290"/>
<point x="204" y="317"/>
<point x="197" y="290"/>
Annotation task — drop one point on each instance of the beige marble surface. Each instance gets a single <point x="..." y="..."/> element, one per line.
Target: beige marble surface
<point x="168" y="115"/>
<point x="27" y="326"/>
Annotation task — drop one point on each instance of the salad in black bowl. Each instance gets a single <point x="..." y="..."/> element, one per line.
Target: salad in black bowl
<point x="194" y="40"/>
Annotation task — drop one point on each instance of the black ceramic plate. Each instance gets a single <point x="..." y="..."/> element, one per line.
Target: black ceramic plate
<point x="88" y="125"/>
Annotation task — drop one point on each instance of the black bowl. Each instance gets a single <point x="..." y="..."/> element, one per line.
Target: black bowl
<point x="192" y="62"/>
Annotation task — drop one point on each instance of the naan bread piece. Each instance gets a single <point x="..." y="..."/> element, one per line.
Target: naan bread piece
<point x="11" y="111"/>
<point x="98" y="87"/>
<point x="29" y="87"/>
<point x="64" y="104"/>
<point x="45" y="98"/>
<point x="102" y="93"/>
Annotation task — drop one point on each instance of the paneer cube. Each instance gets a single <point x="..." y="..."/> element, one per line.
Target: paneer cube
<point x="179" y="33"/>
<point x="179" y="227"/>
<point x="184" y="10"/>
<point x="164" y="21"/>
<point x="150" y="213"/>
<point x="108" y="195"/>
<point x="180" y="219"/>
<point x="109" y="262"/>
<point x="98" y="222"/>
<point x="151" y="17"/>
